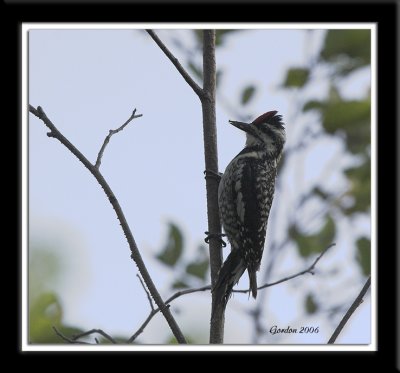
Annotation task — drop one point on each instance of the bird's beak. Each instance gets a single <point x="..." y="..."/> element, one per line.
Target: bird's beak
<point x="246" y="127"/>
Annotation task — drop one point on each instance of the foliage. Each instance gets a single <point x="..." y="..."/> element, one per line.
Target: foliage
<point x="310" y="304"/>
<point x="343" y="53"/>
<point x="347" y="120"/>
<point x="45" y="306"/>
<point x="247" y="94"/>
<point x="296" y="77"/>
<point x="173" y="248"/>
<point x="314" y="243"/>
<point x="187" y="271"/>
<point x="364" y="254"/>
<point x="46" y="312"/>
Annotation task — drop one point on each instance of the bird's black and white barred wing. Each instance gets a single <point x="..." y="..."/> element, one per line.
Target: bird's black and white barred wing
<point x="253" y="203"/>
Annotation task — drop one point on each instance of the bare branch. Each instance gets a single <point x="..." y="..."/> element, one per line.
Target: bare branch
<point x="146" y="291"/>
<point x="111" y="133"/>
<point x="93" y="331"/>
<point x="211" y="163"/>
<point x="135" y="253"/>
<point x="168" y="301"/>
<point x="308" y="270"/>
<point x="196" y="88"/>
<point x="350" y="311"/>
<point x="207" y="98"/>
<point x="185" y="292"/>
<point x="69" y="340"/>
<point x="180" y="293"/>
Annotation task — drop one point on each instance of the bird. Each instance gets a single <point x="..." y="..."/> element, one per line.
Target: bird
<point x="245" y="194"/>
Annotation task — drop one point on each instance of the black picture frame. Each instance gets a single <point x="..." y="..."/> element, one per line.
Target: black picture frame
<point x="386" y="17"/>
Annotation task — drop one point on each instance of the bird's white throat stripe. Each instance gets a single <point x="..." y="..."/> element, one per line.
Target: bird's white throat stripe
<point x="253" y="154"/>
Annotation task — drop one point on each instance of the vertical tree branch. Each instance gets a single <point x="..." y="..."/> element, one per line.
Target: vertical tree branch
<point x="211" y="161"/>
<point x="135" y="253"/>
<point x="207" y="97"/>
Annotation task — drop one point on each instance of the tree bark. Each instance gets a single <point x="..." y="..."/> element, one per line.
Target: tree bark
<point x="211" y="161"/>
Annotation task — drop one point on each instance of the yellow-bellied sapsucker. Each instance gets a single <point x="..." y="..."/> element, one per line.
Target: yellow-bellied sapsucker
<point x="245" y="195"/>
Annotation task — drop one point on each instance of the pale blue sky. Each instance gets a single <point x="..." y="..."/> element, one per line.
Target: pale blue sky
<point x="89" y="81"/>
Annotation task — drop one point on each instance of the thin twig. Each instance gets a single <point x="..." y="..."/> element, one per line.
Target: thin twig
<point x="146" y="291"/>
<point x="180" y="293"/>
<point x="135" y="253"/>
<point x="69" y="340"/>
<point x="93" y="331"/>
<point x="185" y="292"/>
<point x="196" y="88"/>
<point x="308" y="270"/>
<point x="143" y="326"/>
<point x="168" y="301"/>
<point x="350" y="311"/>
<point x="111" y="133"/>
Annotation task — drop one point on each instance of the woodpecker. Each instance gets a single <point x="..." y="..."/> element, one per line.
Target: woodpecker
<point x="245" y="195"/>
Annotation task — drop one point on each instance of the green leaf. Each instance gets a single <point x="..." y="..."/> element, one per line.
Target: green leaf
<point x="44" y="269"/>
<point x="360" y="187"/>
<point x="352" y="117"/>
<point x="334" y="94"/>
<point x="347" y="49"/>
<point x="314" y="105"/>
<point x="311" y="305"/>
<point x="296" y="77"/>
<point x="346" y="115"/>
<point x="44" y="313"/>
<point x="312" y="244"/>
<point x="198" y="269"/>
<point x="199" y="266"/>
<point x="247" y="94"/>
<point x="173" y="248"/>
<point x="47" y="306"/>
<point x="179" y="284"/>
<point x="364" y="255"/>
<point x="351" y="43"/>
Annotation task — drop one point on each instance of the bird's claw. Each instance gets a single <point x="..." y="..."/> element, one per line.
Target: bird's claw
<point x="213" y="174"/>
<point x="215" y="235"/>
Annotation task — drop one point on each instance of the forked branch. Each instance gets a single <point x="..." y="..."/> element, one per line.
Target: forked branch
<point x="135" y="253"/>
<point x="111" y="133"/>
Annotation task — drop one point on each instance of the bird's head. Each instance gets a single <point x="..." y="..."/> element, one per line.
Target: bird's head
<point x="266" y="131"/>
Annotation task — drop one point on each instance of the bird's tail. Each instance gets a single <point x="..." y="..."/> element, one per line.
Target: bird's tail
<point x="253" y="281"/>
<point x="229" y="274"/>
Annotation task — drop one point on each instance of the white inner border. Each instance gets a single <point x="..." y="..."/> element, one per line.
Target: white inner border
<point x="25" y="27"/>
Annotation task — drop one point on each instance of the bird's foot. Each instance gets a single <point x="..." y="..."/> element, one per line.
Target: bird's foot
<point x="215" y="235"/>
<point x="216" y="175"/>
